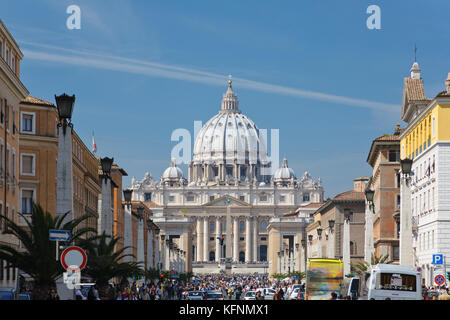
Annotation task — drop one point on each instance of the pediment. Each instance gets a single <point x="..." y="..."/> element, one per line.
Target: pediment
<point x="226" y="201"/>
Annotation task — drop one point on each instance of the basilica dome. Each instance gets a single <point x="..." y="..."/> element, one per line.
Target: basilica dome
<point x="229" y="136"/>
<point x="172" y="173"/>
<point x="284" y="173"/>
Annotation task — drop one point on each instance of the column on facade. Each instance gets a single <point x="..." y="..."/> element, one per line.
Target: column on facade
<point x="406" y="236"/>
<point x="248" y="240"/>
<point x="199" y="240"/>
<point x="218" y="234"/>
<point x="205" y="239"/>
<point x="235" y="239"/>
<point x="163" y="253"/>
<point x="168" y="254"/>
<point x="255" y="239"/>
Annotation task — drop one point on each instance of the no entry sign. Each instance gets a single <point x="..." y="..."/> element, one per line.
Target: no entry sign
<point x="73" y="258"/>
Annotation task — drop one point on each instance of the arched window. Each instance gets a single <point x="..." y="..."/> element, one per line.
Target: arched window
<point x="242" y="256"/>
<point x="263" y="226"/>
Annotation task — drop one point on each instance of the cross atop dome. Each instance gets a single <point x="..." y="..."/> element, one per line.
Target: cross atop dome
<point x="229" y="100"/>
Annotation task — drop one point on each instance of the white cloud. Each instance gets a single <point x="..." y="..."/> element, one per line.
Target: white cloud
<point x="116" y="63"/>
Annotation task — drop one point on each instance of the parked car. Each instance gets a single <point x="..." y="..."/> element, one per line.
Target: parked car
<point x="250" y="295"/>
<point x="7" y="294"/>
<point x="294" y="294"/>
<point x="195" y="295"/>
<point x="268" y="293"/>
<point x="214" y="295"/>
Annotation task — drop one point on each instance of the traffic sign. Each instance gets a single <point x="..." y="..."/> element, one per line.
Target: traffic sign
<point x="439" y="280"/>
<point x="73" y="258"/>
<point x="59" y="235"/>
<point x="438" y="259"/>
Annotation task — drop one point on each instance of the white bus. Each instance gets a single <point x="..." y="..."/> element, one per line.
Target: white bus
<point x="394" y="282"/>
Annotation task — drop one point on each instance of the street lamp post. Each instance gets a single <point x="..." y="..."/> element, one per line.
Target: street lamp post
<point x="346" y="240"/>
<point x="331" y="249"/>
<point x="319" y="236"/>
<point x="140" y="243"/>
<point x="106" y="214"/>
<point x="64" y="174"/>
<point x="406" y="234"/>
<point x="305" y="260"/>
<point x="64" y="170"/>
<point x="370" y="209"/>
<point x="127" y="193"/>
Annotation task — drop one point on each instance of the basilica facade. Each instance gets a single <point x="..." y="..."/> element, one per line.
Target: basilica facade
<point x="224" y="208"/>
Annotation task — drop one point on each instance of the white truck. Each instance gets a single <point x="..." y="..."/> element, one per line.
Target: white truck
<point x="389" y="282"/>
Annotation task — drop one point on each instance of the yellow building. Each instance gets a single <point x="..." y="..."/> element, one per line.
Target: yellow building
<point x="426" y="140"/>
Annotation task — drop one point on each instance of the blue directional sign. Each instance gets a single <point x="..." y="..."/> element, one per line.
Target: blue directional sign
<point x="438" y="259"/>
<point x="59" y="235"/>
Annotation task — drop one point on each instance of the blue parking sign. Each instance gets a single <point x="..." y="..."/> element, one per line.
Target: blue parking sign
<point x="438" y="259"/>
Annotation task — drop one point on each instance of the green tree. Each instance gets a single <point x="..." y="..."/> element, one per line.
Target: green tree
<point x="361" y="267"/>
<point x="105" y="263"/>
<point x="152" y="274"/>
<point x="37" y="255"/>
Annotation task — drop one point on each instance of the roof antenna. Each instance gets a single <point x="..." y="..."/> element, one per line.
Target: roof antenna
<point x="415" y="52"/>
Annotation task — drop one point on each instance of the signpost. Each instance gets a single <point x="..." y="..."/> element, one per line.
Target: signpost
<point x="439" y="280"/>
<point x="58" y="235"/>
<point x="73" y="258"/>
<point x="439" y="259"/>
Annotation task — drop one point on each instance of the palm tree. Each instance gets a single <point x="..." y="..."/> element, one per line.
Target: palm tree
<point x="152" y="274"/>
<point x="105" y="263"/>
<point x="37" y="257"/>
<point x="361" y="267"/>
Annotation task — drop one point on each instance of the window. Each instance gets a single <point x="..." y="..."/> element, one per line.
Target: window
<point x="27" y="122"/>
<point x="282" y="198"/>
<point x="395" y="281"/>
<point x="263" y="226"/>
<point x="263" y="238"/>
<point x="171" y="198"/>
<point x="397" y="202"/>
<point x="27" y="199"/>
<point x="211" y="238"/>
<point x="211" y="198"/>
<point x="394" y="156"/>
<point x="1" y="48"/>
<point x="352" y="248"/>
<point x="212" y="228"/>
<point x="148" y="196"/>
<point x="263" y="197"/>
<point x="241" y="239"/>
<point x="241" y="227"/>
<point x="396" y="252"/>
<point x="242" y="198"/>
<point x="27" y="164"/>
<point x="433" y="127"/>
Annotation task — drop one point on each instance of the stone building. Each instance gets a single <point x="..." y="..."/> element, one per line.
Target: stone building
<point x="12" y="92"/>
<point x="425" y="200"/>
<point x="384" y="158"/>
<point x="325" y="235"/>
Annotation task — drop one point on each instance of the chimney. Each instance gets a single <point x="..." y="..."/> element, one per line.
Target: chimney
<point x="447" y="83"/>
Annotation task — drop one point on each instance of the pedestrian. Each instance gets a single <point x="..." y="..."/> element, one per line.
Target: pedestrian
<point x="333" y="296"/>
<point x="53" y="295"/>
<point x="259" y="296"/>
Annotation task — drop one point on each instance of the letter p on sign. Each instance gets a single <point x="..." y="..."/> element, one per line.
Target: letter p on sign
<point x="438" y="259"/>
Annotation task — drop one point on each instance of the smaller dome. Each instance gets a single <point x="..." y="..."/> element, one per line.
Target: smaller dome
<point x="284" y="172"/>
<point x="172" y="172"/>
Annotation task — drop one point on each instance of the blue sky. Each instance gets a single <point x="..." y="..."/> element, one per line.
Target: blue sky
<point x="312" y="69"/>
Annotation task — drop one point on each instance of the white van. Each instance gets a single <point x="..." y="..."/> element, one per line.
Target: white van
<point x="394" y="282"/>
